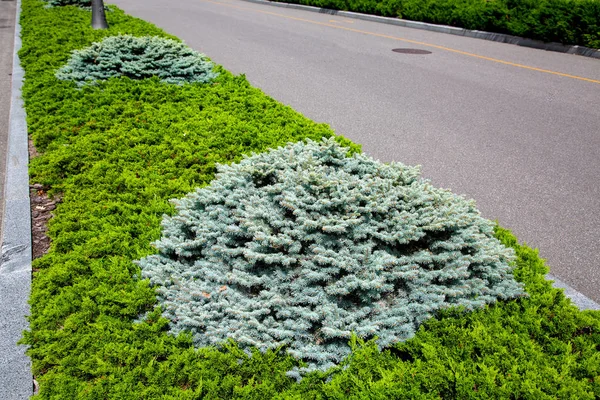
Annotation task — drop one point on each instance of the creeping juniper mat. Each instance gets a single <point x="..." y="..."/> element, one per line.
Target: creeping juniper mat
<point x="303" y="246"/>
<point x="137" y="58"/>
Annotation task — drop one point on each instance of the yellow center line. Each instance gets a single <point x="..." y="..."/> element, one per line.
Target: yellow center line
<point x="435" y="46"/>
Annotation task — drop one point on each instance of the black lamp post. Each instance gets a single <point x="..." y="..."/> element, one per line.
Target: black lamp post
<point x="98" y="17"/>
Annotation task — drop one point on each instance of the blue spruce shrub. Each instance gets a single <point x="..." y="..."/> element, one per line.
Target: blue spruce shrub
<point x="137" y="58"/>
<point x="303" y="246"/>
<point x="59" y="3"/>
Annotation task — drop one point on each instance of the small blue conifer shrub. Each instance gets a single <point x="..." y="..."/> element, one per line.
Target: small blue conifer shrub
<point x="303" y="246"/>
<point x="80" y="3"/>
<point x="137" y="58"/>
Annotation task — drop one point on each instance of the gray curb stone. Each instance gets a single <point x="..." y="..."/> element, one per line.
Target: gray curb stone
<point x="16" y="380"/>
<point x="581" y="301"/>
<point x="452" y="30"/>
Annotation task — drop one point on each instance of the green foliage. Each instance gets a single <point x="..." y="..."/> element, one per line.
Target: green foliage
<point x="117" y="151"/>
<point x="564" y="21"/>
<point x="137" y="58"/>
<point x="302" y="246"/>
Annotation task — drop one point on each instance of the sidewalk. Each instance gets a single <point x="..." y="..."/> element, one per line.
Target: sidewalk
<point x="15" y="237"/>
<point x="7" y="32"/>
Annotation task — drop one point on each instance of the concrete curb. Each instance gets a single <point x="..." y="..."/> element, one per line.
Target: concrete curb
<point x="452" y="30"/>
<point x="580" y="300"/>
<point x="16" y="380"/>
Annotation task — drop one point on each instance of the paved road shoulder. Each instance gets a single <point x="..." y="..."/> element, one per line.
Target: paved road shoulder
<point x="15" y="262"/>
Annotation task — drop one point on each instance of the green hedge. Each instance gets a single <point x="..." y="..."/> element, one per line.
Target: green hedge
<point x="564" y="21"/>
<point x="116" y="153"/>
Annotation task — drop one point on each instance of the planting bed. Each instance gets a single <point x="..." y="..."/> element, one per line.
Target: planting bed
<point x="115" y="152"/>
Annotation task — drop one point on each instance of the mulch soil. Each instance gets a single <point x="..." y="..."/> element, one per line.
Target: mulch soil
<point x="41" y="211"/>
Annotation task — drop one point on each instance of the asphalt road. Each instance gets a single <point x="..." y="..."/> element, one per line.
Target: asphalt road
<point x="516" y="129"/>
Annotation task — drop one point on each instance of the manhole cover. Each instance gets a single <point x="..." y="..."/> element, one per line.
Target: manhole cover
<point x="411" y="51"/>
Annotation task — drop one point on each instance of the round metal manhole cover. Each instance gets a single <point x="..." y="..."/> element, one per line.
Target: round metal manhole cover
<point x="411" y="51"/>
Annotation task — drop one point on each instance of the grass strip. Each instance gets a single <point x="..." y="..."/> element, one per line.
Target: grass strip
<point x="117" y="152"/>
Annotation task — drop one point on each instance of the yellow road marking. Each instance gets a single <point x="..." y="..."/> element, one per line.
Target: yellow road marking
<point x="435" y="46"/>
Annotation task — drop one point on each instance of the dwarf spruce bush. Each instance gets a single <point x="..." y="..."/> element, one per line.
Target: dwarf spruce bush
<point x="302" y="246"/>
<point x="137" y="58"/>
<point x="80" y="3"/>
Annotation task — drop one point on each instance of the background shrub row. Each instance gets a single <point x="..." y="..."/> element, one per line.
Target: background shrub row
<point x="118" y="151"/>
<point x="564" y="21"/>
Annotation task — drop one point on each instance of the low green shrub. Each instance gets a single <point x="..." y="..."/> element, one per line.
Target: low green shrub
<point x="302" y="246"/>
<point x="564" y="21"/>
<point x="137" y="58"/>
<point x="119" y="150"/>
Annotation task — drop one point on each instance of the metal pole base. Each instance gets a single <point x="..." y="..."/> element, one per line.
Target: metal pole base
<point x="98" y="17"/>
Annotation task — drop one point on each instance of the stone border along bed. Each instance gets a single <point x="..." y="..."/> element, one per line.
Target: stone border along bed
<point x="452" y="30"/>
<point x="15" y="266"/>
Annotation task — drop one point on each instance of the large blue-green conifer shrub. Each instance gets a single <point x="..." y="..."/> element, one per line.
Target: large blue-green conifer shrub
<point x="303" y="246"/>
<point x="137" y="58"/>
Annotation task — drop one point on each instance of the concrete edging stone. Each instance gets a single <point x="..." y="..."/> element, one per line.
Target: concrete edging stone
<point x="452" y="30"/>
<point x="579" y="299"/>
<point x="16" y="380"/>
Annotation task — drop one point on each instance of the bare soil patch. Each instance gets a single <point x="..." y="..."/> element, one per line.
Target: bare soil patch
<point x="42" y="206"/>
